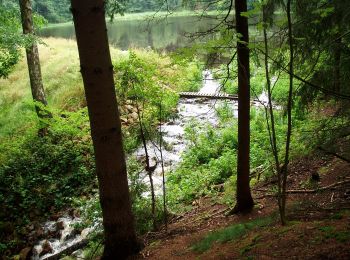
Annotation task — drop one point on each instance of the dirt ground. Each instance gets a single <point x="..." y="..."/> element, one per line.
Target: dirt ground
<point x="318" y="222"/>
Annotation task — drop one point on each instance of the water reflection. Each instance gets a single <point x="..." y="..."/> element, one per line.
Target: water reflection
<point x="165" y="34"/>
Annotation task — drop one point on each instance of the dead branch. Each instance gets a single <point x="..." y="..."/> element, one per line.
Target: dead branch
<point x="69" y="250"/>
<point x="332" y="186"/>
<point x="334" y="154"/>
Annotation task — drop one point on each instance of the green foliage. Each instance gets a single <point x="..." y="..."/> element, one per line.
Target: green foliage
<point x="42" y="175"/>
<point x="211" y="156"/>
<point x="209" y="160"/>
<point x="250" y="246"/>
<point x="10" y="40"/>
<point x="39" y="174"/>
<point x="225" y="112"/>
<point x="11" y="37"/>
<point x="59" y="11"/>
<point x="141" y="203"/>
<point x="328" y="25"/>
<point x="230" y="233"/>
<point x="330" y="232"/>
<point x="53" y="11"/>
<point x="139" y="80"/>
<point x="147" y="81"/>
<point x="94" y="248"/>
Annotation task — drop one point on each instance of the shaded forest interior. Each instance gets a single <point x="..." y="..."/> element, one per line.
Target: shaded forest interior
<point x="192" y="130"/>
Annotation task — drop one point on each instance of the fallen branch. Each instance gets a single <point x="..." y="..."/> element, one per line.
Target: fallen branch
<point x="332" y="186"/>
<point x="334" y="154"/>
<point x="259" y="170"/>
<point x="67" y="251"/>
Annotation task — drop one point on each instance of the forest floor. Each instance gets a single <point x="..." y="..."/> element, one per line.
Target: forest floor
<point x="318" y="222"/>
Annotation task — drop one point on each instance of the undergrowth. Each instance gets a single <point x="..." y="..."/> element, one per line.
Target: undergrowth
<point x="230" y="233"/>
<point x="40" y="176"/>
<point x="211" y="158"/>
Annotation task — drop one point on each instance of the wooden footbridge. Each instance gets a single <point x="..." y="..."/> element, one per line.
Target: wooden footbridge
<point x="207" y="95"/>
<point x="213" y="96"/>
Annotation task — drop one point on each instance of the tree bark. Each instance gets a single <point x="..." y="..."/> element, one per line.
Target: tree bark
<point x="97" y="72"/>
<point x="284" y="169"/>
<point x="244" y="197"/>
<point x="32" y="54"/>
<point x="148" y="167"/>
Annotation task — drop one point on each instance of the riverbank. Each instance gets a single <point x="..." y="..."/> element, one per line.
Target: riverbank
<point x="41" y="176"/>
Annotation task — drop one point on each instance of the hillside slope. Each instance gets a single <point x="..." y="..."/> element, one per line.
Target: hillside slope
<point x="318" y="227"/>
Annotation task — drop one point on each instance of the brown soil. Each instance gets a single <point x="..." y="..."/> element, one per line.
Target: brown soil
<point x="318" y="227"/>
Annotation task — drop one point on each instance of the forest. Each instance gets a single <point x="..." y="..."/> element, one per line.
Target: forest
<point x="174" y="129"/>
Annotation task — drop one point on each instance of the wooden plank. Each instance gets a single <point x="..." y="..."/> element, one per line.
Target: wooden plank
<point x="209" y="96"/>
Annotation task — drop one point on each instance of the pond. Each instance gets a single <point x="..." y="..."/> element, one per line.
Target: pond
<point x="168" y="34"/>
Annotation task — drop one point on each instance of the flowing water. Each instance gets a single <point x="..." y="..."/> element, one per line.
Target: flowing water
<point x="173" y="131"/>
<point x="62" y="235"/>
<point x="200" y="109"/>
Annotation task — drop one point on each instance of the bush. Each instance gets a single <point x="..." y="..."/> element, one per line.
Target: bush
<point x="210" y="160"/>
<point x="41" y="173"/>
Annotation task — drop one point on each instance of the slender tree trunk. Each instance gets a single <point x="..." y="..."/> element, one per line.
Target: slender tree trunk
<point x="244" y="197"/>
<point x="97" y="72"/>
<point x="148" y="168"/>
<point x="284" y="169"/>
<point x="270" y="114"/>
<point x="163" y="172"/>
<point x="32" y="54"/>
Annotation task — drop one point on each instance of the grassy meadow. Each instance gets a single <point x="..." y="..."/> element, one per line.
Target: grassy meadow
<point x="63" y="83"/>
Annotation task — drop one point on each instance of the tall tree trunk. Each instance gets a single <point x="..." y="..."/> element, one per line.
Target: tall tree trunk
<point x="97" y="72"/>
<point x="284" y="169"/>
<point x="244" y="197"/>
<point x="32" y="54"/>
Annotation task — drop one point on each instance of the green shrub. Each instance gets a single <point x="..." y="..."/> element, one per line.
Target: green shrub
<point x="210" y="160"/>
<point x="39" y="174"/>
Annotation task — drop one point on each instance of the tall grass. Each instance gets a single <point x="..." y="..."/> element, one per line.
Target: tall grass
<point x="63" y="83"/>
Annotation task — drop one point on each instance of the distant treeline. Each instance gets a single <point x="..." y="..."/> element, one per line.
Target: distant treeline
<point x="59" y="11"/>
<point x="52" y="10"/>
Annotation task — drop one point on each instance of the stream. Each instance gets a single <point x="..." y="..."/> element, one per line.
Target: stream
<point x="62" y="232"/>
<point x="202" y="110"/>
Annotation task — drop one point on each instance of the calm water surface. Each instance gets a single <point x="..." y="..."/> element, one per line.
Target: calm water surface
<point x="166" y="34"/>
